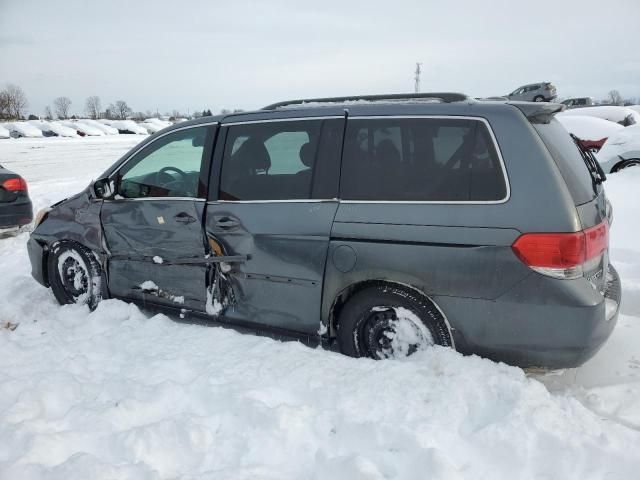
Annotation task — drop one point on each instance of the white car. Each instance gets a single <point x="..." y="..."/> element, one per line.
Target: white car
<point x="623" y="115"/>
<point x="589" y="128"/>
<point x="621" y="150"/>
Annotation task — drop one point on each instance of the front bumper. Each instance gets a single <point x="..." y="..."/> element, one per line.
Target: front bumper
<point x="543" y="323"/>
<point x="36" y="257"/>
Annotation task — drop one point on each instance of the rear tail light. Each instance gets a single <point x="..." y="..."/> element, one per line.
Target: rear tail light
<point x="15" y="185"/>
<point x="563" y="255"/>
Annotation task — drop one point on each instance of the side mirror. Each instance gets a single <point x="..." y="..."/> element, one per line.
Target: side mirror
<point x="103" y="188"/>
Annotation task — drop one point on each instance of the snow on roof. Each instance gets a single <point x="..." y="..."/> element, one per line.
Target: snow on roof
<point x="607" y="112"/>
<point x="589" y="128"/>
<point x="106" y="129"/>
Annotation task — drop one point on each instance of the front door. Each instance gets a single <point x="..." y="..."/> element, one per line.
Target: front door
<point x="275" y="205"/>
<point x="153" y="224"/>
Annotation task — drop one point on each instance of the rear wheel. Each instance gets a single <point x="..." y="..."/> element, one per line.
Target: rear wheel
<point x="386" y="321"/>
<point x="538" y="98"/>
<point x="74" y="275"/>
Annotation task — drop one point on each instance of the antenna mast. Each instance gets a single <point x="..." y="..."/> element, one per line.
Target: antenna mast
<point x="417" y="77"/>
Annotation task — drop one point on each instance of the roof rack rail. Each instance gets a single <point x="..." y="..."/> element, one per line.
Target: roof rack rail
<point x="445" y="97"/>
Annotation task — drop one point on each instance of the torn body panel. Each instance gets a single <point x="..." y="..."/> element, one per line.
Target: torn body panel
<point x="76" y="219"/>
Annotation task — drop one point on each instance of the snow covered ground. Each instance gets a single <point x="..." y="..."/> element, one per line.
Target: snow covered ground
<point x="121" y="393"/>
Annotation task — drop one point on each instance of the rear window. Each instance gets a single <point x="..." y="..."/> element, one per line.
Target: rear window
<point x="421" y="159"/>
<point x="568" y="159"/>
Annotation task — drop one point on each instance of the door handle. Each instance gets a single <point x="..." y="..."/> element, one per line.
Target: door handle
<point x="226" y="222"/>
<point x="184" y="217"/>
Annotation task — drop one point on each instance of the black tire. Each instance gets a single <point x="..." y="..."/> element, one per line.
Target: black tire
<point x="633" y="162"/>
<point x="74" y="274"/>
<point x="368" y="323"/>
<point x="538" y="98"/>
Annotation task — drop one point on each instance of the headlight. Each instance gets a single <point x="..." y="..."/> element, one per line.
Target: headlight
<point x="41" y="215"/>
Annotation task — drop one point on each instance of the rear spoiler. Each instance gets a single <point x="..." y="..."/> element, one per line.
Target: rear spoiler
<point x="538" y="112"/>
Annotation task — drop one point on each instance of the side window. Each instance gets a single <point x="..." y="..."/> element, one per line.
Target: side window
<point x="421" y="159"/>
<point x="168" y="167"/>
<point x="270" y="161"/>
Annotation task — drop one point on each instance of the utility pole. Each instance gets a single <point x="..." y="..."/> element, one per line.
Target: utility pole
<point x="417" y="77"/>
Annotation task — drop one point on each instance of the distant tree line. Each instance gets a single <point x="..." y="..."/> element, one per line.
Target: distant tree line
<point x="13" y="106"/>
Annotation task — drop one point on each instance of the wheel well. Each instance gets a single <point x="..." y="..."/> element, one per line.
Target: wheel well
<point x="623" y="162"/>
<point x="343" y="297"/>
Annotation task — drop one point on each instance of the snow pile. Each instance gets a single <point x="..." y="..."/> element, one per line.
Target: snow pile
<point x="589" y="128"/>
<point x="4" y="132"/>
<point x="608" y="112"/>
<point x="55" y="128"/>
<point x="24" y="129"/>
<point x="121" y="393"/>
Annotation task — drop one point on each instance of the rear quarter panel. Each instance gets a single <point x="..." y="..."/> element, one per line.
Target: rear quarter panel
<point x="457" y="250"/>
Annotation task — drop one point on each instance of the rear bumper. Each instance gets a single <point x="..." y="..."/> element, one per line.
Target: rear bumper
<point x="540" y="323"/>
<point x="16" y="214"/>
<point x="36" y="257"/>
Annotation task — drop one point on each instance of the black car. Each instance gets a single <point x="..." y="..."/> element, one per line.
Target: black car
<point x="15" y="204"/>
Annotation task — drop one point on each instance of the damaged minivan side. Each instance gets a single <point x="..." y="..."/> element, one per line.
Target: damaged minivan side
<point x="378" y="227"/>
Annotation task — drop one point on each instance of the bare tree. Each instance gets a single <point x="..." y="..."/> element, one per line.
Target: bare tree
<point x="92" y="107"/>
<point x="61" y="105"/>
<point x="119" y="111"/>
<point x="13" y="102"/>
<point x="47" y="113"/>
<point x="4" y="105"/>
<point x="615" y="98"/>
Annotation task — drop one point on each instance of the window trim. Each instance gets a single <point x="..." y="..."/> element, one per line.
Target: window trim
<point x="139" y="148"/>
<point x="505" y="175"/>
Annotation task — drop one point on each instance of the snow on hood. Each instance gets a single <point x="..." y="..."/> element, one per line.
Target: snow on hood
<point x="589" y="128"/>
<point x="54" y="127"/>
<point x="607" y="112"/>
<point x="625" y="143"/>
<point x="4" y="132"/>
<point x="84" y="128"/>
<point x="25" y="129"/>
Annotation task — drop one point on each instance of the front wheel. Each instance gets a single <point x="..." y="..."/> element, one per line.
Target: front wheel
<point x="386" y="321"/>
<point x="74" y="275"/>
<point x="539" y="98"/>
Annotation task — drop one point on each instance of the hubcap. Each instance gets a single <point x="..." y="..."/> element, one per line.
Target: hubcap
<point x="75" y="279"/>
<point x="393" y="332"/>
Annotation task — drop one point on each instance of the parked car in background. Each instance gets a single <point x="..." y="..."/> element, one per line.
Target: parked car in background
<point x="593" y="132"/>
<point x="534" y="92"/>
<point x="625" y="116"/>
<point x="393" y="228"/>
<point x="15" y="205"/>
<point x="4" y="132"/>
<point x="621" y="150"/>
<point x="578" y="102"/>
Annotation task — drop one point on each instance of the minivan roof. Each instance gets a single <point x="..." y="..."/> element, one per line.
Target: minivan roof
<point x="441" y="103"/>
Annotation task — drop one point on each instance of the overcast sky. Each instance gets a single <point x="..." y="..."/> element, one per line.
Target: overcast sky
<point x="188" y="54"/>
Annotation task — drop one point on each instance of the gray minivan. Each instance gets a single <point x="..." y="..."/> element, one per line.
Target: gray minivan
<point x="376" y="225"/>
